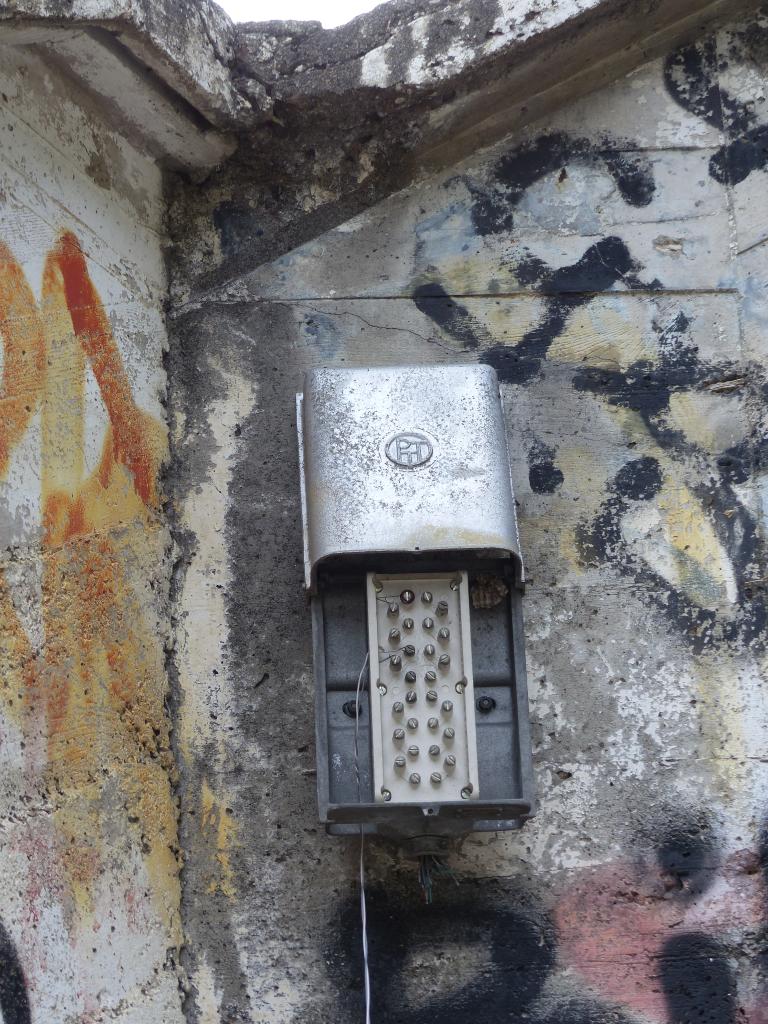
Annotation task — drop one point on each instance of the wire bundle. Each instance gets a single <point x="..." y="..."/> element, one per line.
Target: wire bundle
<point x="430" y="866"/>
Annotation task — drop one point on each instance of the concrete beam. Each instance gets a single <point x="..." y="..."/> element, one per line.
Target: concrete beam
<point x="472" y="70"/>
<point x="415" y="86"/>
<point x="132" y="98"/>
<point x="189" y="44"/>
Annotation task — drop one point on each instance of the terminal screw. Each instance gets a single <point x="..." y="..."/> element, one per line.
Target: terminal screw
<point x="485" y="704"/>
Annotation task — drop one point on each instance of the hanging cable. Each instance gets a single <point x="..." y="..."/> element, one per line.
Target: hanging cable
<point x="363" y="914"/>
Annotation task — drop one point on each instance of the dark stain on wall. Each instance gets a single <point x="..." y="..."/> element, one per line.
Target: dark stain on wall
<point x="688" y="853"/>
<point x="14" y="1001"/>
<point x="569" y="288"/>
<point x="698" y="980"/>
<point x="543" y="474"/>
<point x="646" y="388"/>
<point x="237" y="224"/>
<point x="456" y="320"/>
<point x="516" y="171"/>
<point x="692" y="78"/>
<point x="504" y="933"/>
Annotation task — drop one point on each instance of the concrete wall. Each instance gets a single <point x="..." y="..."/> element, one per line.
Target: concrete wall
<point x="610" y="263"/>
<point x="159" y="849"/>
<point x="89" y="859"/>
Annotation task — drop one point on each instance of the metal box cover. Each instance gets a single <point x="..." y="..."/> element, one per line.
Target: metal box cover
<point x="403" y="459"/>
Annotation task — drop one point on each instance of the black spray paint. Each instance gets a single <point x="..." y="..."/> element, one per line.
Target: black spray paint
<point x="699" y="982"/>
<point x="646" y="388"/>
<point x="507" y="935"/>
<point x="516" y="171"/>
<point x="456" y="320"/>
<point x="691" y="75"/>
<point x="486" y="920"/>
<point x="14" y="1001"/>
<point x="568" y="288"/>
<point x="544" y="476"/>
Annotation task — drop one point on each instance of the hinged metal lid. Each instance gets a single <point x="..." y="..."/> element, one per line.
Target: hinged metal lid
<point x="403" y="459"/>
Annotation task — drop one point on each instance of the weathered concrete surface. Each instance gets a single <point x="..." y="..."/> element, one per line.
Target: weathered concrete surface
<point x="188" y="43"/>
<point x="610" y="262"/>
<point x="409" y="88"/>
<point x="89" y="908"/>
<point x="122" y="92"/>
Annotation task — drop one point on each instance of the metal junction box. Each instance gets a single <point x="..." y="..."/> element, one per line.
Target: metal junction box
<point x="413" y="564"/>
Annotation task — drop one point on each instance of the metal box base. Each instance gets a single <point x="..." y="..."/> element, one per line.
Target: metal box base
<point x="340" y="635"/>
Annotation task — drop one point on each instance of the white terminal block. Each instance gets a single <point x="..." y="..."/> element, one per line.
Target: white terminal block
<point x="423" y="737"/>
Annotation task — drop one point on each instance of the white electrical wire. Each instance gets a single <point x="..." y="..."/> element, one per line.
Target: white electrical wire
<point x="363" y="915"/>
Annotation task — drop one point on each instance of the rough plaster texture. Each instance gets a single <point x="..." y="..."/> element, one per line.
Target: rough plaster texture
<point x="188" y="43"/>
<point x="158" y="837"/>
<point x="89" y="857"/>
<point x="610" y="262"/>
<point x="410" y="88"/>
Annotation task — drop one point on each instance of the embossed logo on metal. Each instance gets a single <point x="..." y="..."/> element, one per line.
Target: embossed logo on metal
<point x="409" y="450"/>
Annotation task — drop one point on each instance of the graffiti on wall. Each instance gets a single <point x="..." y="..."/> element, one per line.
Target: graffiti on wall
<point x="14" y="1000"/>
<point x="669" y="934"/>
<point x="633" y="410"/>
<point x="87" y="693"/>
<point x="650" y="937"/>
<point x="641" y="392"/>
